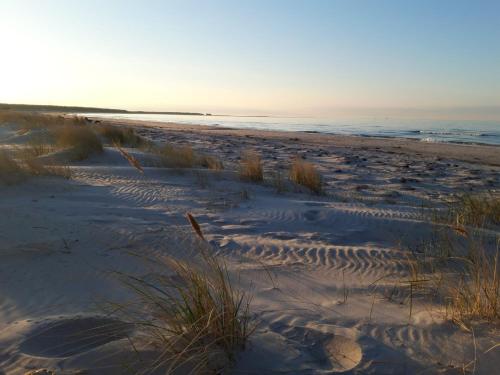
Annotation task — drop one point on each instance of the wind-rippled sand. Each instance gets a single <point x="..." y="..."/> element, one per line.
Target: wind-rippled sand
<point x="320" y="268"/>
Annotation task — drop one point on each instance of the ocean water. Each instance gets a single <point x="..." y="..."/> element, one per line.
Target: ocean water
<point x="479" y="132"/>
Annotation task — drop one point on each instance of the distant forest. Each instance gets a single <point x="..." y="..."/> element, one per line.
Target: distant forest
<point x="68" y="109"/>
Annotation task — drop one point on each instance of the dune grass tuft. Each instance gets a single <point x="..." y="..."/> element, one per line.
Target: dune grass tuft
<point x="183" y="157"/>
<point x="34" y="120"/>
<point x="10" y="170"/>
<point x="480" y="210"/>
<point x="305" y="174"/>
<point x="70" y="132"/>
<point x="472" y="280"/>
<point x="25" y="120"/>
<point x="35" y="167"/>
<point x="210" y="162"/>
<point x="120" y="135"/>
<point x="176" y="156"/>
<point x="195" y="315"/>
<point x="80" y="139"/>
<point x="251" y="167"/>
<point x="461" y="271"/>
<point x="15" y="170"/>
<point x="279" y="182"/>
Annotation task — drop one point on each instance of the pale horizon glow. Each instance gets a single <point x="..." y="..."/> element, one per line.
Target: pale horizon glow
<point x="439" y="58"/>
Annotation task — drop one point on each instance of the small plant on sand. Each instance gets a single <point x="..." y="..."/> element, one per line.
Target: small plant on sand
<point x="197" y="318"/>
<point x="480" y="210"/>
<point x="35" y="167"/>
<point x="210" y="162"/>
<point x="474" y="292"/>
<point x="183" y="157"/>
<point x="15" y="170"/>
<point x="460" y="270"/>
<point x="120" y="135"/>
<point x="10" y="170"/>
<point x="176" y="156"/>
<point x="305" y="174"/>
<point x="39" y="144"/>
<point x="80" y="139"/>
<point x="279" y="182"/>
<point x="251" y="167"/>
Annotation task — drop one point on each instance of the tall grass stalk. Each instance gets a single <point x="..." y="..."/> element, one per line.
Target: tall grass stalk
<point x="130" y="158"/>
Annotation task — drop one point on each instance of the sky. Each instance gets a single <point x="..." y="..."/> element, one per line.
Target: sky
<point x="253" y="57"/>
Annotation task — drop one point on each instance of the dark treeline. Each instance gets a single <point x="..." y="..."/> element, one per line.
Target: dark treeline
<point x="60" y="108"/>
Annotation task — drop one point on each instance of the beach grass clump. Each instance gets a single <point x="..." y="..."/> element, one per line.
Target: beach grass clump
<point x="305" y="174"/>
<point x="35" y="167"/>
<point x="11" y="172"/>
<point x="480" y="210"/>
<point x="176" y="156"/>
<point x="195" y="315"/>
<point x="57" y="132"/>
<point x="35" y="120"/>
<point x="474" y="291"/>
<point x="8" y="117"/>
<point x="461" y="270"/>
<point x="80" y="139"/>
<point x="184" y="157"/>
<point x="210" y="162"/>
<point x="120" y="136"/>
<point x="251" y="167"/>
<point x="14" y="170"/>
<point x="21" y="119"/>
<point x="39" y="144"/>
<point x="279" y="182"/>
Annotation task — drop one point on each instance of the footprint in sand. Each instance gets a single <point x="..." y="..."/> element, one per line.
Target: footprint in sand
<point x="330" y="351"/>
<point x="344" y="353"/>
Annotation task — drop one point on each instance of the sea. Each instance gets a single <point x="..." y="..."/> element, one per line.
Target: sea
<point x="454" y="131"/>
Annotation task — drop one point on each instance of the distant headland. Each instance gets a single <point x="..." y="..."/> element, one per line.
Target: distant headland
<point x="76" y="109"/>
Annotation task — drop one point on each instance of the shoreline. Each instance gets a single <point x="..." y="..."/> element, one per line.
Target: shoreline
<point x="471" y="153"/>
<point x="440" y="134"/>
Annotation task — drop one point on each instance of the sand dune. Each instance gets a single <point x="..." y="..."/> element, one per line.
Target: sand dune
<point x="321" y="268"/>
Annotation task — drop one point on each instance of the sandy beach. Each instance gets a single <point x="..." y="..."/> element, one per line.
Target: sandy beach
<point x="326" y="271"/>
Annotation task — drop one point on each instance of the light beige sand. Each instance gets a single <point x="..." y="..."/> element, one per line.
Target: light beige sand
<point x="299" y="254"/>
<point x="483" y="154"/>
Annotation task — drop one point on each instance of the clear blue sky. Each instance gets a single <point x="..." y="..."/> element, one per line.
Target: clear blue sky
<point x="251" y="56"/>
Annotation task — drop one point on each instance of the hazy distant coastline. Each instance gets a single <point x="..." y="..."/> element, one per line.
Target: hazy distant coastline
<point x="76" y="109"/>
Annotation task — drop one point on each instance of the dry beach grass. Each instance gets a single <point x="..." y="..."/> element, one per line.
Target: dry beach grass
<point x="194" y="314"/>
<point x="120" y="136"/>
<point x="17" y="169"/>
<point x="305" y="174"/>
<point x="251" y="167"/>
